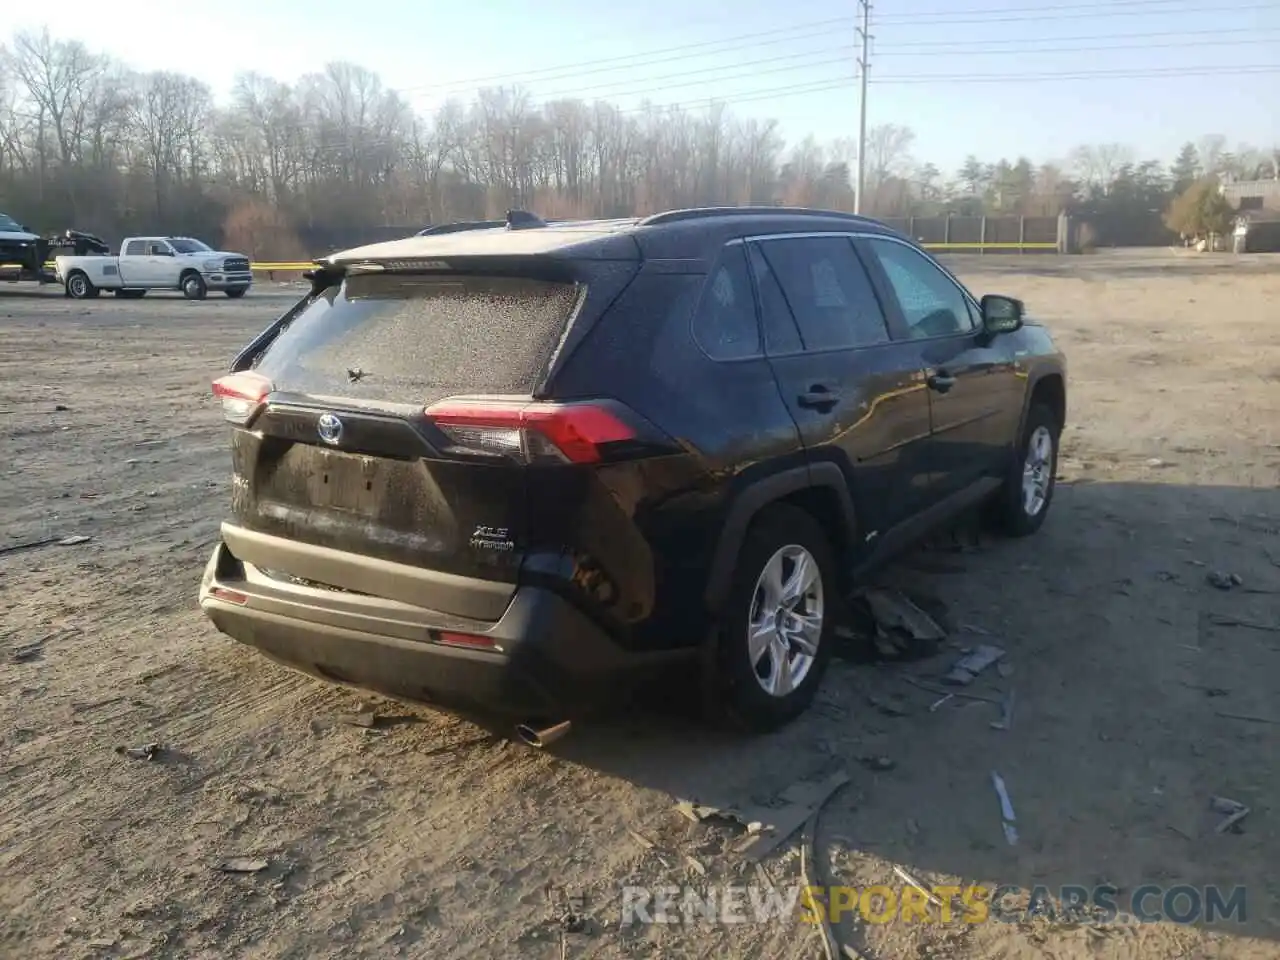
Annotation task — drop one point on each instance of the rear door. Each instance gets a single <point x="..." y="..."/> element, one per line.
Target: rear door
<point x="856" y="395"/>
<point x="344" y="456"/>
<point x="973" y="385"/>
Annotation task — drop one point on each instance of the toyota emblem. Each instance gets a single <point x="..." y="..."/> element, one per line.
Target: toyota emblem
<point x="329" y="427"/>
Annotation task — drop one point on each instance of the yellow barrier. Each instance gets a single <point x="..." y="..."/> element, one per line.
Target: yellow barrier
<point x="299" y="266"/>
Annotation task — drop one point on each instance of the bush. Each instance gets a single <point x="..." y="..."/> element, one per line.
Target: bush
<point x="262" y="232"/>
<point x="1200" y="211"/>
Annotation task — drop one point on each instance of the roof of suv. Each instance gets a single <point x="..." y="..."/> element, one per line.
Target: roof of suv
<point x="675" y="234"/>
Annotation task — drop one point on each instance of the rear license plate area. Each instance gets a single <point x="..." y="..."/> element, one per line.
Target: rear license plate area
<point x="348" y="483"/>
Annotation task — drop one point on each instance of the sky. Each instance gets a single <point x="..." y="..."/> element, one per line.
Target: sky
<point x="994" y="78"/>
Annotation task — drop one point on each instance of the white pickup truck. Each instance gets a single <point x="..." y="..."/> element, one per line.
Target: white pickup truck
<point x="156" y="263"/>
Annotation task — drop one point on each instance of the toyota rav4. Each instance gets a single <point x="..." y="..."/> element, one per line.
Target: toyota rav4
<point x="516" y="468"/>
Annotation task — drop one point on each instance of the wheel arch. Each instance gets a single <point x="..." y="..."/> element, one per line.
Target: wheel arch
<point x="820" y="489"/>
<point x="1049" y="388"/>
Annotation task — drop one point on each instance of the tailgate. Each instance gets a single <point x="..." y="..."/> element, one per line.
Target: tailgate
<point x="342" y="457"/>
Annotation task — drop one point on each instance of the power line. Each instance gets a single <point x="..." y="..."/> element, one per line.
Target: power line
<point x="767" y="38"/>
<point x="1191" y="35"/>
<point x="1137" y="74"/>
<point x="1074" y="13"/>
<point x="918" y="16"/>
<point x="1182" y="45"/>
<point x="844" y="50"/>
<point x="805" y="30"/>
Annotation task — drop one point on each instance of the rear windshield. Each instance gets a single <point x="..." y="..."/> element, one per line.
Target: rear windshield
<point x="412" y="339"/>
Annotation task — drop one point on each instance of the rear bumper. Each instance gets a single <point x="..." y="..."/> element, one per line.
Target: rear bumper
<point x="546" y="659"/>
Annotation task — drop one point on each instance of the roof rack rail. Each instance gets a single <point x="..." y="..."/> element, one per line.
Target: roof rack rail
<point x="458" y="227"/>
<point x="523" y="220"/>
<point x="699" y="213"/>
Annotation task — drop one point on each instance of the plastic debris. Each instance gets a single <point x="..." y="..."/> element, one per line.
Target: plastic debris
<point x="147" y="751"/>
<point x="1223" y="580"/>
<point x="243" y="865"/>
<point x="1008" y="817"/>
<point x="74" y="540"/>
<point x="967" y="668"/>
<point x="1233" y="812"/>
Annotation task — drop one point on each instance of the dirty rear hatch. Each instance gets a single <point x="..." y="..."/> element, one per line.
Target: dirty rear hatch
<point x="342" y="455"/>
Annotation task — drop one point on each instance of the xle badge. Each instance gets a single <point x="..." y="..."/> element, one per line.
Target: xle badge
<point x="329" y="427"/>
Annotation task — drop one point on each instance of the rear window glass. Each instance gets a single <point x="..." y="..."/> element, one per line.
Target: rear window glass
<point x="413" y="339"/>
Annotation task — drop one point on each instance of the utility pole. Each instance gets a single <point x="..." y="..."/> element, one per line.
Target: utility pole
<point x="864" y="32"/>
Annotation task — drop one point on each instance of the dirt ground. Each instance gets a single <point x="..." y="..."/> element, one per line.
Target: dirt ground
<point x="422" y="838"/>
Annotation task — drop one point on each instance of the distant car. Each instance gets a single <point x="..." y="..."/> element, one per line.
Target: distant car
<point x="19" y="247"/>
<point x="157" y="263"/>
<point x="519" y="468"/>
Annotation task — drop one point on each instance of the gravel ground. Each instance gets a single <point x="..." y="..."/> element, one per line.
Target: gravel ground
<point x="426" y="838"/>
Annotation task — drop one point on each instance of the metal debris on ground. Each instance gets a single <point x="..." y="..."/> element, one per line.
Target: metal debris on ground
<point x="1233" y="812"/>
<point x="877" y="763"/>
<point x="1246" y="717"/>
<point x="27" y="652"/>
<point x="967" y="668"/>
<point x="892" y="610"/>
<point x="243" y="865"/>
<point x="1007" y="816"/>
<point x="74" y="540"/>
<point x="912" y="881"/>
<point x="365" y="718"/>
<point x="1222" y="620"/>
<point x="772" y="825"/>
<point x="950" y="693"/>
<point x="28" y="545"/>
<point x="147" y="751"/>
<point x="933" y="707"/>
<point x="1006" y="713"/>
<point x="1223" y="580"/>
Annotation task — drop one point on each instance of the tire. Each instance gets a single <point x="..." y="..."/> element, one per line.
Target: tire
<point x="193" y="287"/>
<point x="1022" y="504"/>
<point x="236" y="293"/>
<point x="80" y="287"/>
<point x="738" y="687"/>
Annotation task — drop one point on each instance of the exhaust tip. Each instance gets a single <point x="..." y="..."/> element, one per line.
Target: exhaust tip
<point x="540" y="737"/>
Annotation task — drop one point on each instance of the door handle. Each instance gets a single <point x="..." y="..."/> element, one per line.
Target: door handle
<point x="818" y="397"/>
<point x="941" y="382"/>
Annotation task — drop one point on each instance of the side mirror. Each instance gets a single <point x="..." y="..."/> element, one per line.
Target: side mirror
<point x="1001" y="314"/>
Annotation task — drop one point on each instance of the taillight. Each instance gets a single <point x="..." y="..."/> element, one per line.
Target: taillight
<point x="241" y="395"/>
<point x="529" y="432"/>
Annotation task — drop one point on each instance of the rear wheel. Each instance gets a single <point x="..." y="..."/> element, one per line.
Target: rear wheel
<point x="774" y="638"/>
<point x="193" y="287"/>
<point x="1023" y="502"/>
<point x="80" y="287"/>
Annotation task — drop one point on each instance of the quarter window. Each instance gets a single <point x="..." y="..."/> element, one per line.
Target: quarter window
<point x="725" y="325"/>
<point x="931" y="303"/>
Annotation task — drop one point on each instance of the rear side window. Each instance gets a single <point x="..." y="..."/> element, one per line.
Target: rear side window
<point x="135" y="248"/>
<point x="414" y="339"/>
<point x="828" y="291"/>
<point x="725" y="325"/>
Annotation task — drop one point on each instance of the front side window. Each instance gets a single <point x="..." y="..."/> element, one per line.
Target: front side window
<point x="187" y="245"/>
<point x="931" y="303"/>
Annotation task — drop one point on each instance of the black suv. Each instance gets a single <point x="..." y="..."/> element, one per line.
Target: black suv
<point x="515" y="468"/>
